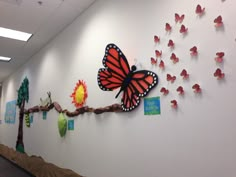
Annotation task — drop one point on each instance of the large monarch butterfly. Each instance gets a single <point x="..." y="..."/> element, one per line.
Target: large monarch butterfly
<point x="118" y="74"/>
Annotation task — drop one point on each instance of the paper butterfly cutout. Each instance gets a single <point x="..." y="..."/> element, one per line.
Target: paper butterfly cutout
<point x="219" y="57"/>
<point x="164" y="91"/>
<point x="180" y="89"/>
<point x="153" y="61"/>
<point x="170" y="43"/>
<point x="218" y="21"/>
<point x="162" y="64"/>
<point x="196" y="88"/>
<point x="174" y="58"/>
<point x="156" y="39"/>
<point x="185" y="74"/>
<point x="174" y="104"/>
<point x="218" y="73"/>
<point x="118" y="74"/>
<point x="158" y="53"/>
<point x="170" y="78"/>
<point x="168" y="27"/>
<point x="183" y="29"/>
<point x="199" y="10"/>
<point x="193" y="51"/>
<point x="179" y="18"/>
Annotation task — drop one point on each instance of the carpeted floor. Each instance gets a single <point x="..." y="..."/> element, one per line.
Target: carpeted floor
<point x="8" y="169"/>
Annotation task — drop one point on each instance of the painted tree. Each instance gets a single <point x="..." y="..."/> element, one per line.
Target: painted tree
<point x="23" y="96"/>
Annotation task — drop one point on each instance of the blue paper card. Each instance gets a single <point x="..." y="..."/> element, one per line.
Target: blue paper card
<point x="152" y="106"/>
<point x="10" y="114"/>
<point x="71" y="124"/>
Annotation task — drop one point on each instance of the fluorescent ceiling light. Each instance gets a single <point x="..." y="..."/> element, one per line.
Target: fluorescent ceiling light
<point x="4" y="58"/>
<point x="13" y="34"/>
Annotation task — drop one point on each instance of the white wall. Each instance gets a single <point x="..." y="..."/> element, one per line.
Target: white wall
<point x="196" y="140"/>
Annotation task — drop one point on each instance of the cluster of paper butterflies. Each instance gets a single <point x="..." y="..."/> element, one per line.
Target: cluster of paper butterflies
<point x="158" y="61"/>
<point x="135" y="84"/>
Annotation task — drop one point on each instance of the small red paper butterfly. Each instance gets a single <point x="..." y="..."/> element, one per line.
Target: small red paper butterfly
<point x="156" y="39"/>
<point x="180" y="89"/>
<point x="219" y="57"/>
<point x="153" y="61"/>
<point x="184" y="74"/>
<point x="174" y="104"/>
<point x="174" y="58"/>
<point x="193" y="51"/>
<point x="196" y="88"/>
<point x="170" y="78"/>
<point x="199" y="10"/>
<point x="218" y="21"/>
<point x="158" y="53"/>
<point x="162" y="64"/>
<point x="118" y="74"/>
<point x="183" y="29"/>
<point x="164" y="91"/>
<point x="218" y="73"/>
<point x="168" y="27"/>
<point x="179" y="18"/>
<point x="171" y="43"/>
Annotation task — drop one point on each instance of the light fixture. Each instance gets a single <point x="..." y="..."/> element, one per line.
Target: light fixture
<point x="4" y="58"/>
<point x="13" y="34"/>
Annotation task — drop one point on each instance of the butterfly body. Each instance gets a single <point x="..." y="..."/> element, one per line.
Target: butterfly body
<point x="184" y="74"/>
<point x="199" y="10"/>
<point x="168" y="27"/>
<point x="179" y="18"/>
<point x="194" y="51"/>
<point x="196" y="88"/>
<point x="118" y="74"/>
<point x="218" y="74"/>
<point x="218" y="21"/>
<point x="183" y="29"/>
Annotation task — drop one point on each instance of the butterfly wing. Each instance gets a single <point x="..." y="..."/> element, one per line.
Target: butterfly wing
<point x="116" y="69"/>
<point x="139" y="86"/>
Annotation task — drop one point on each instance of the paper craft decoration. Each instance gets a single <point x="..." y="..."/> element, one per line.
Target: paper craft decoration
<point x="180" y="89"/>
<point x="218" y="21"/>
<point x="179" y="18"/>
<point x="47" y="101"/>
<point x="168" y="27"/>
<point x="170" y="43"/>
<point x="219" y="57"/>
<point x="152" y="106"/>
<point x="44" y="115"/>
<point x="158" y="53"/>
<point x="218" y="74"/>
<point x="153" y="61"/>
<point x="62" y="124"/>
<point x="162" y="64"/>
<point x="193" y="51"/>
<point x="196" y="88"/>
<point x="184" y="74"/>
<point x="174" y="104"/>
<point x="170" y="78"/>
<point x="156" y="39"/>
<point x="10" y="114"/>
<point x="71" y="124"/>
<point x="183" y="29"/>
<point x="118" y="74"/>
<point x="80" y="94"/>
<point x="31" y="118"/>
<point x="199" y="10"/>
<point x="174" y="58"/>
<point x="27" y="120"/>
<point x="164" y="91"/>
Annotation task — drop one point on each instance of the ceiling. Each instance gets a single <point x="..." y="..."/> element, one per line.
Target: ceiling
<point x="43" y="18"/>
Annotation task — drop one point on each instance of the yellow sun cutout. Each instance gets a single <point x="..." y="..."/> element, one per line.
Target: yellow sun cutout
<point x="80" y="94"/>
